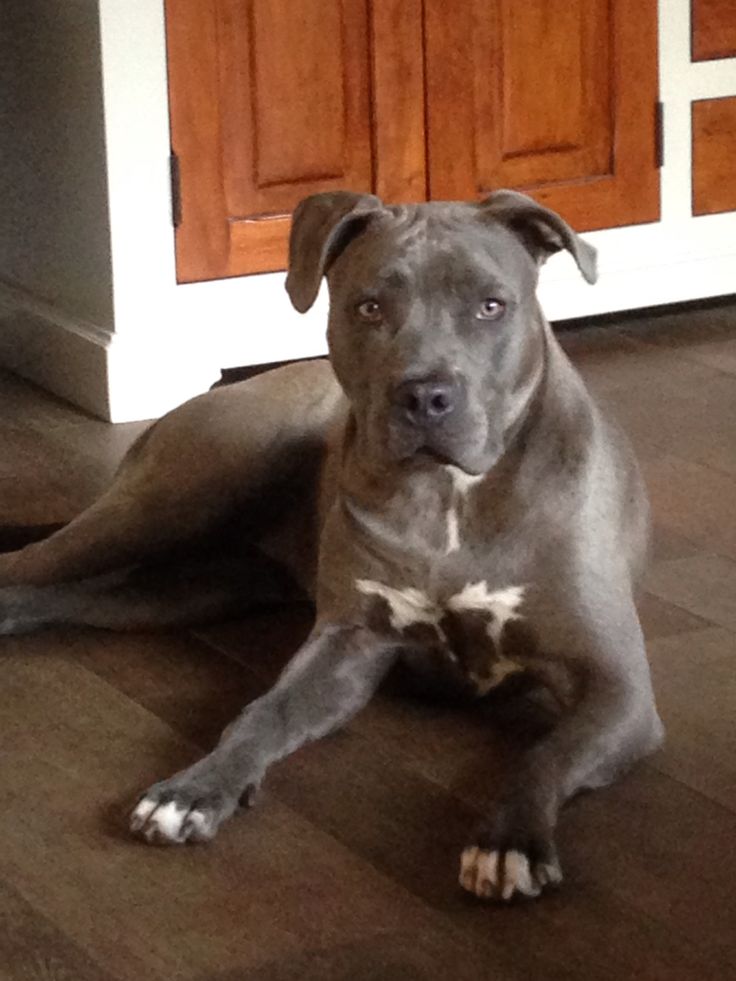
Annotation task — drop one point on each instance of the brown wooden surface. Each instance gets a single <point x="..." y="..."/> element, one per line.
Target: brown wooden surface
<point x="272" y="100"/>
<point x="714" y="153"/>
<point x="346" y="867"/>
<point x="713" y="24"/>
<point x="554" y="98"/>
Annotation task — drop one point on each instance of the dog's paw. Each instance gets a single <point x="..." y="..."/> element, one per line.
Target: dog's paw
<point x="506" y="873"/>
<point x="171" y="813"/>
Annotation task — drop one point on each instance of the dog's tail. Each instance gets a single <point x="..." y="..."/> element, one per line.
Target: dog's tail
<point x="13" y="537"/>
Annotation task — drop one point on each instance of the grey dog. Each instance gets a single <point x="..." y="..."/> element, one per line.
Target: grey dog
<point x="444" y="489"/>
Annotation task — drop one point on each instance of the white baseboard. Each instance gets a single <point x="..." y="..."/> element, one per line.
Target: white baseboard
<point x="118" y="379"/>
<point x="45" y="345"/>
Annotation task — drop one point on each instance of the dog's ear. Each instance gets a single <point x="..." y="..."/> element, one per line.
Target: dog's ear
<point x="322" y="226"/>
<point x="542" y="231"/>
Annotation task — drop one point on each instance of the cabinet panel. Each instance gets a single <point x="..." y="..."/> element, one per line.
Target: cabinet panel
<point x="555" y="97"/>
<point x="714" y="151"/>
<point x="272" y="100"/>
<point x="293" y="97"/>
<point x="713" y="29"/>
<point x="552" y="102"/>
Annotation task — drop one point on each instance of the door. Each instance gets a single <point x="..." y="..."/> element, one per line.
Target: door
<point x="553" y="97"/>
<point x="272" y="100"/>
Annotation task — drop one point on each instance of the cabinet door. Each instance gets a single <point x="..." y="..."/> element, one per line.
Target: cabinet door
<point x="553" y="97"/>
<point x="272" y="100"/>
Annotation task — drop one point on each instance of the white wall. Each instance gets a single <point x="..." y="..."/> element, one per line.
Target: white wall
<point x="170" y="341"/>
<point x="54" y="228"/>
<point x="56" y="299"/>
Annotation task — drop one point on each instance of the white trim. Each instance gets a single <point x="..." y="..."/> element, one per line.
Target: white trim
<point x="48" y="346"/>
<point x="91" y="366"/>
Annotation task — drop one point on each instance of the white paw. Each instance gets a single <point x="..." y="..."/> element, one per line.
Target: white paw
<point x="505" y="874"/>
<point x="172" y="822"/>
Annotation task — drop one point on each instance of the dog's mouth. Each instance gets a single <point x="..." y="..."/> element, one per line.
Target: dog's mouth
<point x="431" y="457"/>
<point x="463" y="445"/>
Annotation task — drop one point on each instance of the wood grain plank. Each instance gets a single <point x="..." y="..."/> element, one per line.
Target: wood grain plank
<point x="695" y="682"/>
<point x="704" y="585"/>
<point x="33" y="949"/>
<point x="650" y="390"/>
<point x="661" y="618"/>
<point x="694" y="501"/>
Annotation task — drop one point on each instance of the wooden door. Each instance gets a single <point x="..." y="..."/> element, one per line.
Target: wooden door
<point x="553" y="97"/>
<point x="272" y="100"/>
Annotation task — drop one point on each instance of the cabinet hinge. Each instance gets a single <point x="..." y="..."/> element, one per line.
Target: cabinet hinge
<point x="175" y="176"/>
<point x="659" y="134"/>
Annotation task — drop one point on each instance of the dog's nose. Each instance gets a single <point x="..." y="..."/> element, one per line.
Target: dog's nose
<point x="426" y="401"/>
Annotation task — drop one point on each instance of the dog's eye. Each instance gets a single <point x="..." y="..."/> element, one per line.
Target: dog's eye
<point x="370" y="311"/>
<point x="490" y="309"/>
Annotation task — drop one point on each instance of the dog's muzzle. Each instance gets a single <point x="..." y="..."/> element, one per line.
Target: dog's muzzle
<point x="427" y="414"/>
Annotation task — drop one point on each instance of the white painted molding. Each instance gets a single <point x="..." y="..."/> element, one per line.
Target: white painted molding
<point x="94" y="368"/>
<point x="48" y="346"/>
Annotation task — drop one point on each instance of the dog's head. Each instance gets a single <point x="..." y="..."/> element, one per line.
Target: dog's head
<point x="434" y="328"/>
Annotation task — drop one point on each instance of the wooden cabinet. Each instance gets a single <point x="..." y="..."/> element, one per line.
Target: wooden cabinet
<point x="272" y="100"/>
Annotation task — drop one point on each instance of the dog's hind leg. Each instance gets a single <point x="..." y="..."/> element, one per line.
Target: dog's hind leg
<point x="170" y="592"/>
<point x="138" y="516"/>
<point x="188" y="474"/>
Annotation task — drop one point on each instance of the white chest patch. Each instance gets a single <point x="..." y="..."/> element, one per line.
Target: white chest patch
<point x="501" y="604"/>
<point x="408" y="606"/>
<point x="461" y="485"/>
<point x="453" y="531"/>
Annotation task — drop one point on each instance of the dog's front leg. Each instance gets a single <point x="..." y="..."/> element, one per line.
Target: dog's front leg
<point x="611" y="723"/>
<point x="331" y="678"/>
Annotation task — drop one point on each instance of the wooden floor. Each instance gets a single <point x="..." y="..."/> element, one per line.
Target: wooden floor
<point x="347" y="867"/>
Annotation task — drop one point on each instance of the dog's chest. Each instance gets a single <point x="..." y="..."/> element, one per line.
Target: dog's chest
<point x="468" y="627"/>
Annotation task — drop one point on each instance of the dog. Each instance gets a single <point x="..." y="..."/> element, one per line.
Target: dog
<point x="444" y="489"/>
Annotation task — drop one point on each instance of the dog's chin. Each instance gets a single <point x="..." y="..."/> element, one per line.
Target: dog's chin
<point x="425" y="456"/>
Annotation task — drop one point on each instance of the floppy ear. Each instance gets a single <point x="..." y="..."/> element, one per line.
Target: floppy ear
<point x="542" y="231"/>
<point x="322" y="226"/>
